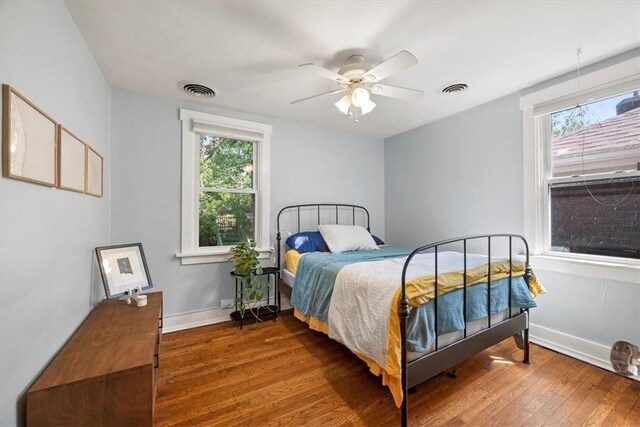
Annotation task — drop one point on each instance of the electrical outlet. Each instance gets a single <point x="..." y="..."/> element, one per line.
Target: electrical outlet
<point x="227" y="303"/>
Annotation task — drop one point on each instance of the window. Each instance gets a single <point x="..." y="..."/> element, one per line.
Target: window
<point x="594" y="185"/>
<point x="582" y="173"/>
<point x="225" y="186"/>
<point x="227" y="193"/>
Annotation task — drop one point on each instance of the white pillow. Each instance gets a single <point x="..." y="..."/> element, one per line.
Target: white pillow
<point x="344" y="238"/>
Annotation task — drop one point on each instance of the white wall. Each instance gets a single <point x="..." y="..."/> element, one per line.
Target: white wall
<point x="48" y="235"/>
<point x="308" y="165"/>
<point x="463" y="175"/>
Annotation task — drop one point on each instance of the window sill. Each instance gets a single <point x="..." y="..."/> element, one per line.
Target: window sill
<point x="190" y="258"/>
<point x="622" y="270"/>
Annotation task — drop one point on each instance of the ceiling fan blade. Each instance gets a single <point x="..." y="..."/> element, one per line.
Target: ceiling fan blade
<point x="320" y="95"/>
<point x="323" y="72"/>
<point x="396" y="92"/>
<point x="397" y="62"/>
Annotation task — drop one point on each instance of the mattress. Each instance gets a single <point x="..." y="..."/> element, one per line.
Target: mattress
<point x="288" y="277"/>
<point x="443" y="340"/>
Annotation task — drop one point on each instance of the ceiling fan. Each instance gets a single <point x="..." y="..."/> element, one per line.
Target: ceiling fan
<point x="359" y="80"/>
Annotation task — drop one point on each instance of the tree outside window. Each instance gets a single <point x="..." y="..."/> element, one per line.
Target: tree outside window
<point x="227" y="191"/>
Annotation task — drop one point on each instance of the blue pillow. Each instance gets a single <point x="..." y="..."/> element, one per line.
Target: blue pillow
<point x="377" y="240"/>
<point x="307" y="241"/>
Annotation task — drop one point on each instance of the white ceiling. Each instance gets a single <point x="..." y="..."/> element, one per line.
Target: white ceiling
<point x="249" y="51"/>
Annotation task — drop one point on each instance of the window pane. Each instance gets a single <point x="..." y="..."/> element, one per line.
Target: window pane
<point x="602" y="136"/>
<point x="226" y="218"/>
<point x="600" y="218"/>
<point x="225" y="163"/>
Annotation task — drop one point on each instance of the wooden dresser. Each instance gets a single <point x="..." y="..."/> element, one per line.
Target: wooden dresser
<point x="105" y="374"/>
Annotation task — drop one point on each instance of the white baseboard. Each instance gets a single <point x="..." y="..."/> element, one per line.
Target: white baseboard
<point x="578" y="348"/>
<point x="196" y="319"/>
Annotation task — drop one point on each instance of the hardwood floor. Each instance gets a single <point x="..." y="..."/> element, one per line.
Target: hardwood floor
<point x="285" y="374"/>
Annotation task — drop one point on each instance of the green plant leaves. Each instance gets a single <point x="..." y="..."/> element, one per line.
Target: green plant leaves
<point x="247" y="266"/>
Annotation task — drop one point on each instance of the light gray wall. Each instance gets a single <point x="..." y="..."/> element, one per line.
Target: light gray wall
<point x="48" y="235"/>
<point x="598" y="310"/>
<point x="464" y="175"/>
<point x="307" y="165"/>
<point x="456" y="176"/>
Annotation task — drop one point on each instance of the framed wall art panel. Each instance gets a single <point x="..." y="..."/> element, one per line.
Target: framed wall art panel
<point x="94" y="173"/>
<point x="29" y="140"/>
<point x="71" y="161"/>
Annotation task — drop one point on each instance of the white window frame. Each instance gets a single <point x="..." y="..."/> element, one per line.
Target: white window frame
<point x="536" y="107"/>
<point x="195" y="123"/>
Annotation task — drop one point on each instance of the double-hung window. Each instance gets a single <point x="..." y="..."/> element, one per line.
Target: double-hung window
<point x="225" y="186"/>
<point x="593" y="180"/>
<point x="582" y="171"/>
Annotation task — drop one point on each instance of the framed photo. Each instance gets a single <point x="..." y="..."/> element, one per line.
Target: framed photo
<point x="71" y="161"/>
<point x="123" y="268"/>
<point x="93" y="176"/>
<point x="29" y="139"/>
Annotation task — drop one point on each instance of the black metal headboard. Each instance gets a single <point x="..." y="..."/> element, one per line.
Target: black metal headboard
<point x="318" y="207"/>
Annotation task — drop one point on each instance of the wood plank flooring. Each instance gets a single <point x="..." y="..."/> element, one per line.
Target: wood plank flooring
<point x="285" y="374"/>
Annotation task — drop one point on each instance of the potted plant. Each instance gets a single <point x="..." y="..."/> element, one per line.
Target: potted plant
<point x="247" y="267"/>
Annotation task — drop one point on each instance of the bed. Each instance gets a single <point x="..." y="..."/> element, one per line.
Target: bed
<point x="386" y="305"/>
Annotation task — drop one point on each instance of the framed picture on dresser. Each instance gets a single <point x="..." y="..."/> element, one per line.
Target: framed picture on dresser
<point x="123" y="268"/>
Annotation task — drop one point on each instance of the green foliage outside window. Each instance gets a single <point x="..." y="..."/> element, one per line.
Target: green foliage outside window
<point x="565" y="123"/>
<point x="225" y="218"/>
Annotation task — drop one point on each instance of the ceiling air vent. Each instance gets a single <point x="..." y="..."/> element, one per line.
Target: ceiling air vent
<point x="455" y="88"/>
<point x="196" y="89"/>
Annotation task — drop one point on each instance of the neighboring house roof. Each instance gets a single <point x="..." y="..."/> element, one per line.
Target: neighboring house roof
<point x="612" y="144"/>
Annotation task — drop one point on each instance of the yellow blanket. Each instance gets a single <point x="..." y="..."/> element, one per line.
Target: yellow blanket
<point x="292" y="259"/>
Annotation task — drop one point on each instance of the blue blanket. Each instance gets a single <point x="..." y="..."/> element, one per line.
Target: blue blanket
<point x="316" y="275"/>
<point x="420" y="327"/>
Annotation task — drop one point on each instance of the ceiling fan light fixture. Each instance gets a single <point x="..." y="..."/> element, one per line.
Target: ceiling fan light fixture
<point x="368" y="107"/>
<point x="344" y="104"/>
<point x="360" y="97"/>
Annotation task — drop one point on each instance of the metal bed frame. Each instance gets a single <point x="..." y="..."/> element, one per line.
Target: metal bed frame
<point x="442" y="359"/>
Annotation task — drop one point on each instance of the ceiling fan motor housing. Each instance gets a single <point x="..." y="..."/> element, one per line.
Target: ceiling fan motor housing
<point x="355" y="70"/>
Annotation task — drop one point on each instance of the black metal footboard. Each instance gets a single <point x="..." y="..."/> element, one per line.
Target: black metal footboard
<point x="442" y="359"/>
